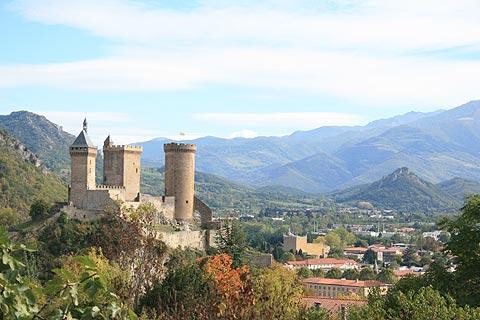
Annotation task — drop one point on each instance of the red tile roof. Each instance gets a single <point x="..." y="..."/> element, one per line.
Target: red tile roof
<point x="356" y="249"/>
<point x="344" y="282"/>
<point x="324" y="261"/>
<point x="332" y="305"/>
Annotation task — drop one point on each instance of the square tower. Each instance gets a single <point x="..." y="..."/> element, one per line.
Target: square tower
<point x="121" y="167"/>
<point x="83" y="156"/>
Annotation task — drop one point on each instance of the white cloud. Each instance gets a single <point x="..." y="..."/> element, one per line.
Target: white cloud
<point x="371" y="51"/>
<point x="299" y="120"/>
<point x="245" y="133"/>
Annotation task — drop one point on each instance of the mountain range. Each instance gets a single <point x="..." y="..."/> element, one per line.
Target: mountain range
<point x="437" y="146"/>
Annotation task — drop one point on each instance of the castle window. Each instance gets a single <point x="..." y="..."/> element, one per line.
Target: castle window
<point x="136" y="170"/>
<point x="186" y="201"/>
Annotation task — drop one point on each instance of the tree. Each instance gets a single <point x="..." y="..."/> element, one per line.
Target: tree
<point x="351" y="274"/>
<point x="464" y="245"/>
<point x="334" y="273"/>
<point x="367" y="274"/>
<point x="69" y="295"/>
<point x="278" y="295"/>
<point x="304" y="273"/>
<point x="370" y="256"/>
<point x="387" y="276"/>
<point x="9" y="217"/>
<point x="231" y="240"/>
<point x="39" y="209"/>
<point x="410" y="257"/>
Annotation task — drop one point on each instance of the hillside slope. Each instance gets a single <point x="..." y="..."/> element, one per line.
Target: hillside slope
<point x="44" y="138"/>
<point x="459" y="188"/>
<point x="22" y="177"/>
<point x="403" y="191"/>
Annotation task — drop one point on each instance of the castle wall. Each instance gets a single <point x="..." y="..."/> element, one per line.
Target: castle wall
<point x="180" y="178"/>
<point x="163" y="205"/>
<point x="83" y="161"/>
<point x="200" y="240"/>
<point x="98" y="200"/>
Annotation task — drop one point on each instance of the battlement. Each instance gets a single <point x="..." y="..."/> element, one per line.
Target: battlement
<point x="123" y="147"/>
<point x="179" y="147"/>
<point x="82" y="149"/>
<point x="105" y="187"/>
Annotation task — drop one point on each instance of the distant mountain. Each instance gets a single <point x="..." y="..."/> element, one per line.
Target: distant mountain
<point x="459" y="188"/>
<point x="437" y="146"/>
<point x="23" y="178"/>
<point x="403" y="191"/>
<point x="226" y="196"/>
<point x="44" y="138"/>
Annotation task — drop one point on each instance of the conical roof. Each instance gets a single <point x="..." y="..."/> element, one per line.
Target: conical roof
<point x="83" y="140"/>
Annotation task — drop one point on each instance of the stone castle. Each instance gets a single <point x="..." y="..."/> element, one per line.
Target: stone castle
<point x="121" y="181"/>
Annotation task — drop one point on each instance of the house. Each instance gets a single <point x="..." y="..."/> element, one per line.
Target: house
<point x="333" y="306"/>
<point x="333" y="288"/>
<point x="325" y="264"/>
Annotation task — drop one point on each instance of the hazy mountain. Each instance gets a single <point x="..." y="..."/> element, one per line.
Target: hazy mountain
<point x="401" y="190"/>
<point x="42" y="137"/>
<point x="438" y="146"/>
<point x="23" y="178"/>
<point x="459" y="188"/>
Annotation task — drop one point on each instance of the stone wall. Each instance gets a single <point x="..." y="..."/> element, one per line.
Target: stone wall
<point x="82" y="174"/>
<point x="200" y="240"/>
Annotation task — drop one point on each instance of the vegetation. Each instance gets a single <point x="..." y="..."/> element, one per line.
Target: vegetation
<point x="21" y="181"/>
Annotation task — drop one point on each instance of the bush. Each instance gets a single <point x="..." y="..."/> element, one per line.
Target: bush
<point x="9" y="217"/>
<point x="39" y="209"/>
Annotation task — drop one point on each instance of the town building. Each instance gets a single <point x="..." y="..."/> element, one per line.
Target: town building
<point x="333" y="288"/>
<point x="296" y="244"/>
<point x="324" y="264"/>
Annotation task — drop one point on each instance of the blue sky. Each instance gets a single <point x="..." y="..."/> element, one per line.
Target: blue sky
<point x="144" y="69"/>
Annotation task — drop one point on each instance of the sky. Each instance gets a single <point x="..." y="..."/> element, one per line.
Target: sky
<point x="234" y="68"/>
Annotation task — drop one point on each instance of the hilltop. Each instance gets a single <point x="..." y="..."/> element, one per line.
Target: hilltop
<point x="402" y="190"/>
<point x="44" y="138"/>
<point x="23" y="178"/>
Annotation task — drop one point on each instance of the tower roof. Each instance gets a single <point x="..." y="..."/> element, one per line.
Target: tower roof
<point x="83" y="141"/>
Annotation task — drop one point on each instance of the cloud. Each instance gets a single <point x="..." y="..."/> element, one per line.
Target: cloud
<point x="376" y="52"/>
<point x="245" y="133"/>
<point x="299" y="120"/>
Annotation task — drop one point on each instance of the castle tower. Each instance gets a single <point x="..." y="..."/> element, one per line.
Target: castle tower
<point x="180" y="177"/>
<point x="121" y="167"/>
<point x="83" y="155"/>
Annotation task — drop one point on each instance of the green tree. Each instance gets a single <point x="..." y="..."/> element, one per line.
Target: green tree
<point x="334" y="273"/>
<point x="464" y="246"/>
<point x="304" y="273"/>
<point x="367" y="274"/>
<point x="231" y="240"/>
<point x="387" y="276"/>
<point x="351" y="274"/>
<point x="410" y="257"/>
<point x="39" y="209"/>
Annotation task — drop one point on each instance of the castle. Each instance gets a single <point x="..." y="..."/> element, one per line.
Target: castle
<point x="121" y="180"/>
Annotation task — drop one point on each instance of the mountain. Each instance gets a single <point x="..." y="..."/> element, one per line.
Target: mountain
<point x="403" y="191"/>
<point x="23" y="178"/>
<point x="226" y="196"/>
<point x="459" y="188"/>
<point x="44" y="138"/>
<point x="437" y="146"/>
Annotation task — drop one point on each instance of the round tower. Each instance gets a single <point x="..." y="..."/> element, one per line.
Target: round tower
<point x="180" y="177"/>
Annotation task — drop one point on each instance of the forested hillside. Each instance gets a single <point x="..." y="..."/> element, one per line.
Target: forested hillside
<point x="23" y="179"/>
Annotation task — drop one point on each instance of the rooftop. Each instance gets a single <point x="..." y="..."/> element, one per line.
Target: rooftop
<point x="322" y="261"/>
<point x="344" y="282"/>
<point x="83" y="141"/>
